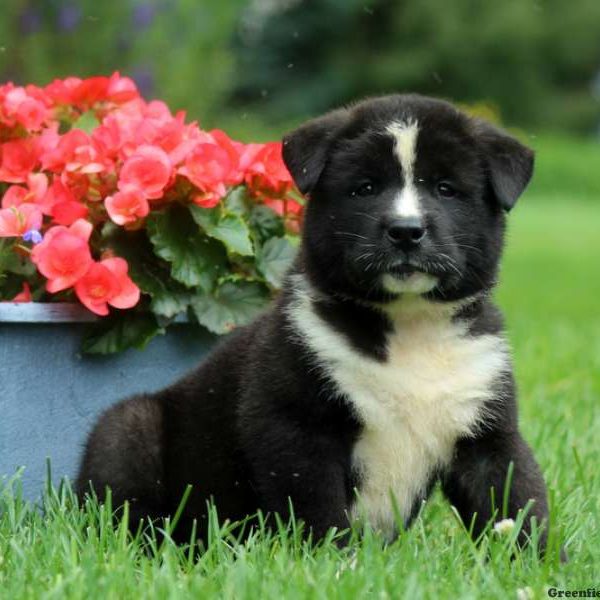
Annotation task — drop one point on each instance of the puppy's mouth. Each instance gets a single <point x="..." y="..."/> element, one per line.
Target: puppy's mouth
<point x="406" y="267"/>
<point x="404" y="270"/>
<point x="408" y="277"/>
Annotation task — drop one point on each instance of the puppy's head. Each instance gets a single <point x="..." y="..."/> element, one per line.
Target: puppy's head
<point x="407" y="195"/>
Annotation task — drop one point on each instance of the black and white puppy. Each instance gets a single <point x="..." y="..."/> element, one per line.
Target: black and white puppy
<point x="380" y="369"/>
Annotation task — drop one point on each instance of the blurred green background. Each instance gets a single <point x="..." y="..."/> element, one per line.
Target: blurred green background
<point x="257" y="67"/>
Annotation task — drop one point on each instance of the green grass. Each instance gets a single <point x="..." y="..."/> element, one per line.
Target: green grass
<point x="550" y="292"/>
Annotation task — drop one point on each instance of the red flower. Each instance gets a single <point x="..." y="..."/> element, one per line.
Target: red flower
<point x="87" y="92"/>
<point x="139" y="152"/>
<point x="248" y="155"/>
<point x="235" y="150"/>
<point x="121" y="89"/>
<point x="17" y="220"/>
<point x="90" y="91"/>
<point x="27" y="110"/>
<point x="16" y="194"/>
<point x="127" y="206"/>
<point x="105" y="283"/>
<point x="19" y="158"/>
<point x="60" y="203"/>
<point x="148" y="169"/>
<point x="208" y="167"/>
<point x="267" y="173"/>
<point x="66" y="213"/>
<point x="108" y="136"/>
<point x="63" y="257"/>
<point x="76" y="152"/>
<point x="60" y="91"/>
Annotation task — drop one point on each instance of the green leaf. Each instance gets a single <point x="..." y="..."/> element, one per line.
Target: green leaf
<point x="13" y="262"/>
<point x="266" y="222"/>
<point x="275" y="258"/>
<point x="15" y="269"/>
<point x="228" y="228"/>
<point x="86" y="122"/>
<point x="10" y="286"/>
<point x="234" y="303"/>
<point x="120" y="332"/>
<point x="169" y="297"/>
<point x="150" y="273"/>
<point x="195" y="259"/>
<point x="235" y="201"/>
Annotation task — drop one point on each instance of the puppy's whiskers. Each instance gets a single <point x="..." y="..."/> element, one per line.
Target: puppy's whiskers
<point x="363" y="214"/>
<point x="350" y="234"/>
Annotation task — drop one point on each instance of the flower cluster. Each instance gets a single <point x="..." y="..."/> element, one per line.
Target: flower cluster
<point x="78" y="155"/>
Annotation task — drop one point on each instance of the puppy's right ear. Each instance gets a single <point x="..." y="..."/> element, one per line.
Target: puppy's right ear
<point x="305" y="149"/>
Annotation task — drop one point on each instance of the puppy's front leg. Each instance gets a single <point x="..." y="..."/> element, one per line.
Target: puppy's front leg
<point x="480" y="468"/>
<point x="291" y="465"/>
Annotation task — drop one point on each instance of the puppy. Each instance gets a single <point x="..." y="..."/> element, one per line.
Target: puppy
<point x="380" y="369"/>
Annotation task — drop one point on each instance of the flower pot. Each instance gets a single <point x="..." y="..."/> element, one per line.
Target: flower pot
<point x="50" y="395"/>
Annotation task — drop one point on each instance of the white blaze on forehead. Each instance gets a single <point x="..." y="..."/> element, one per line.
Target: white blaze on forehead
<point x="405" y="148"/>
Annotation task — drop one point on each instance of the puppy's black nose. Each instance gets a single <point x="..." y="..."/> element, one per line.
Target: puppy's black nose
<point x="406" y="232"/>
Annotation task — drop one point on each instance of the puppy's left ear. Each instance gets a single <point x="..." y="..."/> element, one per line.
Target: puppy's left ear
<point x="305" y="150"/>
<point x="509" y="163"/>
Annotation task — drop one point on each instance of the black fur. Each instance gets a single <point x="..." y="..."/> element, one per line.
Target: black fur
<point x="260" y="422"/>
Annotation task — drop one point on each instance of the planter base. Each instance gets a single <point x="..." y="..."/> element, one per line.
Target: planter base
<point x="50" y="395"/>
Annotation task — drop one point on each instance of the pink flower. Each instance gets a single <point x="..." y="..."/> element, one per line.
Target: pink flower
<point x="175" y="137"/>
<point x="27" y="110"/>
<point x="14" y="196"/>
<point x="76" y="152"/>
<point x="89" y="91"/>
<point x="149" y="170"/>
<point x="60" y="203"/>
<point x="136" y="124"/>
<point x="37" y="184"/>
<point x="66" y="213"/>
<point x="208" y="167"/>
<point x="127" y="206"/>
<point x="17" y="220"/>
<point x="19" y="158"/>
<point x="105" y="283"/>
<point x="121" y="89"/>
<point x="108" y="136"/>
<point x="236" y="151"/>
<point x="47" y="140"/>
<point x="63" y="256"/>
<point x="267" y="173"/>
<point x="60" y="91"/>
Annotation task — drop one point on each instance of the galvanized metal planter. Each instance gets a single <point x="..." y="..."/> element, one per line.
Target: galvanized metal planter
<point x="50" y="395"/>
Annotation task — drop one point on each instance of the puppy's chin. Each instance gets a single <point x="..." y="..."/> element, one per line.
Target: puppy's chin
<point x="414" y="283"/>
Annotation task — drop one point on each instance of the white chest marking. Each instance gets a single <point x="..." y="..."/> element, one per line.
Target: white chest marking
<point x="414" y="407"/>
<point x="405" y="148"/>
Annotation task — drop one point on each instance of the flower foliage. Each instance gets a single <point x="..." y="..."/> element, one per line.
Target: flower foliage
<point x="117" y="203"/>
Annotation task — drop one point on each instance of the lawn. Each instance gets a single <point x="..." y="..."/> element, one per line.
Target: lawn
<point x="550" y="291"/>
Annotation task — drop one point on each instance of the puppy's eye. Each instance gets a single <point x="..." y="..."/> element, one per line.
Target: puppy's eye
<point x="445" y="190"/>
<point x="367" y="188"/>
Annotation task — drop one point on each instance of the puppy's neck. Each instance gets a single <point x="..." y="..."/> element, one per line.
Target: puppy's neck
<point x="415" y="308"/>
<point x="367" y="326"/>
<point x="407" y="307"/>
